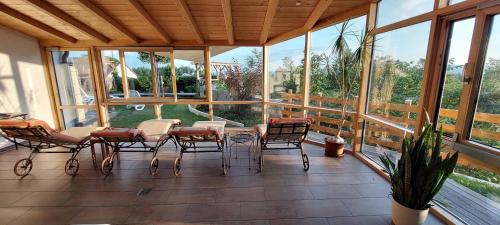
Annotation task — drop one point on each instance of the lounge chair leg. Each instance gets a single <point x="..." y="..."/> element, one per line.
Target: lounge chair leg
<point x="92" y="150"/>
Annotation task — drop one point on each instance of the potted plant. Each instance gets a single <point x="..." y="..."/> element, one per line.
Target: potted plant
<point x="417" y="176"/>
<point x="344" y="67"/>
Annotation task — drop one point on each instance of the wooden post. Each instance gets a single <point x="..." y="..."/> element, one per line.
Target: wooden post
<point x="174" y="79"/>
<point x="290" y="101"/>
<point x="307" y="73"/>
<point x="318" y="114"/>
<point x="124" y="75"/>
<point x="208" y="82"/>
<point x="265" y="82"/>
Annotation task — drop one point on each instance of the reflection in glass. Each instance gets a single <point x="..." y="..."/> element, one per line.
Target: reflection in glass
<point x="112" y="73"/>
<point x="236" y="73"/>
<point x="129" y="116"/>
<point x="73" y="77"/>
<point x="391" y="11"/>
<point x="286" y="70"/>
<point x="79" y="117"/>
<point x="139" y="74"/>
<point x="396" y="73"/>
<point x="325" y="89"/>
<point x="190" y="73"/>
<point x="486" y="124"/>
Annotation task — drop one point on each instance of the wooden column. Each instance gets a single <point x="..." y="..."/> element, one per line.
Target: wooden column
<point x="208" y="82"/>
<point x="124" y="75"/>
<point x="265" y="82"/>
<point x="307" y="73"/>
<point x="174" y="78"/>
<point x="365" y="76"/>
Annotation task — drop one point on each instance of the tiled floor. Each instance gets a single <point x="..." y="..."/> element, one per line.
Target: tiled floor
<point x="334" y="191"/>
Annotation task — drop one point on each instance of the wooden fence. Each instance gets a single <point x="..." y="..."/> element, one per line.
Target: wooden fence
<point x="376" y="134"/>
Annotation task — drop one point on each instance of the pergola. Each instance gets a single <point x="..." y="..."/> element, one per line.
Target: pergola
<point x="193" y="33"/>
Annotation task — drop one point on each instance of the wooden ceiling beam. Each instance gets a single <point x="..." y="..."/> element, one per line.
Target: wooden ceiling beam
<point x="318" y="10"/>
<point x="65" y="17"/>
<point x="35" y="23"/>
<point x="105" y="16"/>
<point x="144" y="13"/>
<point x="272" y="7"/>
<point x="184" y="9"/>
<point x="228" y="19"/>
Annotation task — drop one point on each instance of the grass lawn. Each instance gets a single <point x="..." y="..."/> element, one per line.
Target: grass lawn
<point x="482" y="188"/>
<point x="131" y="118"/>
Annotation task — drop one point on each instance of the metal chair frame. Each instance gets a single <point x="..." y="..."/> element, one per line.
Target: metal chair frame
<point x="38" y="140"/>
<point x="287" y="133"/>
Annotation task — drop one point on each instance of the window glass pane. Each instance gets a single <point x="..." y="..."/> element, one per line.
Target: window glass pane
<point x="396" y="73"/>
<point x="286" y="70"/>
<point x="472" y="192"/>
<point x="190" y="73"/>
<point x="486" y="124"/>
<point x="458" y="53"/>
<point x="275" y="111"/>
<point x="327" y="124"/>
<point x="239" y="115"/>
<point x="164" y="74"/>
<point x="380" y="139"/>
<point x="451" y="2"/>
<point x="74" y="82"/>
<point x="79" y="117"/>
<point x="236" y="73"/>
<point x="139" y="76"/>
<point x="325" y="90"/>
<point x="112" y="74"/>
<point x="129" y="115"/>
<point x="391" y="11"/>
<point x="188" y="114"/>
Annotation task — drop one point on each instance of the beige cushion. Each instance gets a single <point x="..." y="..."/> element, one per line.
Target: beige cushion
<point x="261" y="129"/>
<point x="219" y="125"/>
<point x="156" y="128"/>
<point x="80" y="132"/>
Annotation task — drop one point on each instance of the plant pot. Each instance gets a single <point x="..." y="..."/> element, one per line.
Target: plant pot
<point x="334" y="149"/>
<point x="402" y="215"/>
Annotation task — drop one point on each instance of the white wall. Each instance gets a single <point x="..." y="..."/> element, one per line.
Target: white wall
<point x="22" y="80"/>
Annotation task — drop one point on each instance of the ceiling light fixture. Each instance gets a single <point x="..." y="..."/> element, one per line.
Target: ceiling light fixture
<point x="298" y="3"/>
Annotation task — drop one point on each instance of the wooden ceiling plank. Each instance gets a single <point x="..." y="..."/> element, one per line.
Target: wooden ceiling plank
<point x="228" y="19"/>
<point x="26" y="19"/>
<point x="65" y="17"/>
<point x="184" y="10"/>
<point x="272" y="7"/>
<point x="108" y="18"/>
<point x="144" y="13"/>
<point x="318" y="10"/>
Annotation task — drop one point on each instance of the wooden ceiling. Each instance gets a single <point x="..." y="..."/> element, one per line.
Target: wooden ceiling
<point x="168" y="21"/>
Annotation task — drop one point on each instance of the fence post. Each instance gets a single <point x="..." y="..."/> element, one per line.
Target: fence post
<point x="290" y="101"/>
<point x="320" y="104"/>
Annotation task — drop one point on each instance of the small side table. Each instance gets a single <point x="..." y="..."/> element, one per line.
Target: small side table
<point x="239" y="136"/>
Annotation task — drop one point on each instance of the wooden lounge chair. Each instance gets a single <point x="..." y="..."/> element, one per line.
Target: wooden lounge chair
<point x="41" y="136"/>
<point x="202" y="137"/>
<point x="149" y="136"/>
<point x="283" y="133"/>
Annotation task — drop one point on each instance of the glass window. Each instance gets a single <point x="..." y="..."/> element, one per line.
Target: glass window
<point x="391" y="11"/>
<point x="188" y="114"/>
<point x="164" y="74"/>
<point x="396" y="73"/>
<point x="451" y="2"/>
<point x="236" y="73"/>
<point x="457" y="56"/>
<point x="286" y="70"/>
<point x="486" y="123"/>
<point x="327" y="124"/>
<point x="379" y="139"/>
<point x="190" y="73"/>
<point x="112" y="74"/>
<point x="79" y="117"/>
<point x="73" y="76"/>
<point x="472" y="191"/>
<point x="129" y="116"/>
<point x="239" y="115"/>
<point x="325" y="89"/>
<point x="139" y="74"/>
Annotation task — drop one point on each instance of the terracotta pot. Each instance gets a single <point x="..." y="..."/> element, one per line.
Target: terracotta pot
<point x="402" y="215"/>
<point x="334" y="149"/>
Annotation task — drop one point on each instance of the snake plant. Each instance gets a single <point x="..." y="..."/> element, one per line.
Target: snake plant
<point x="421" y="171"/>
